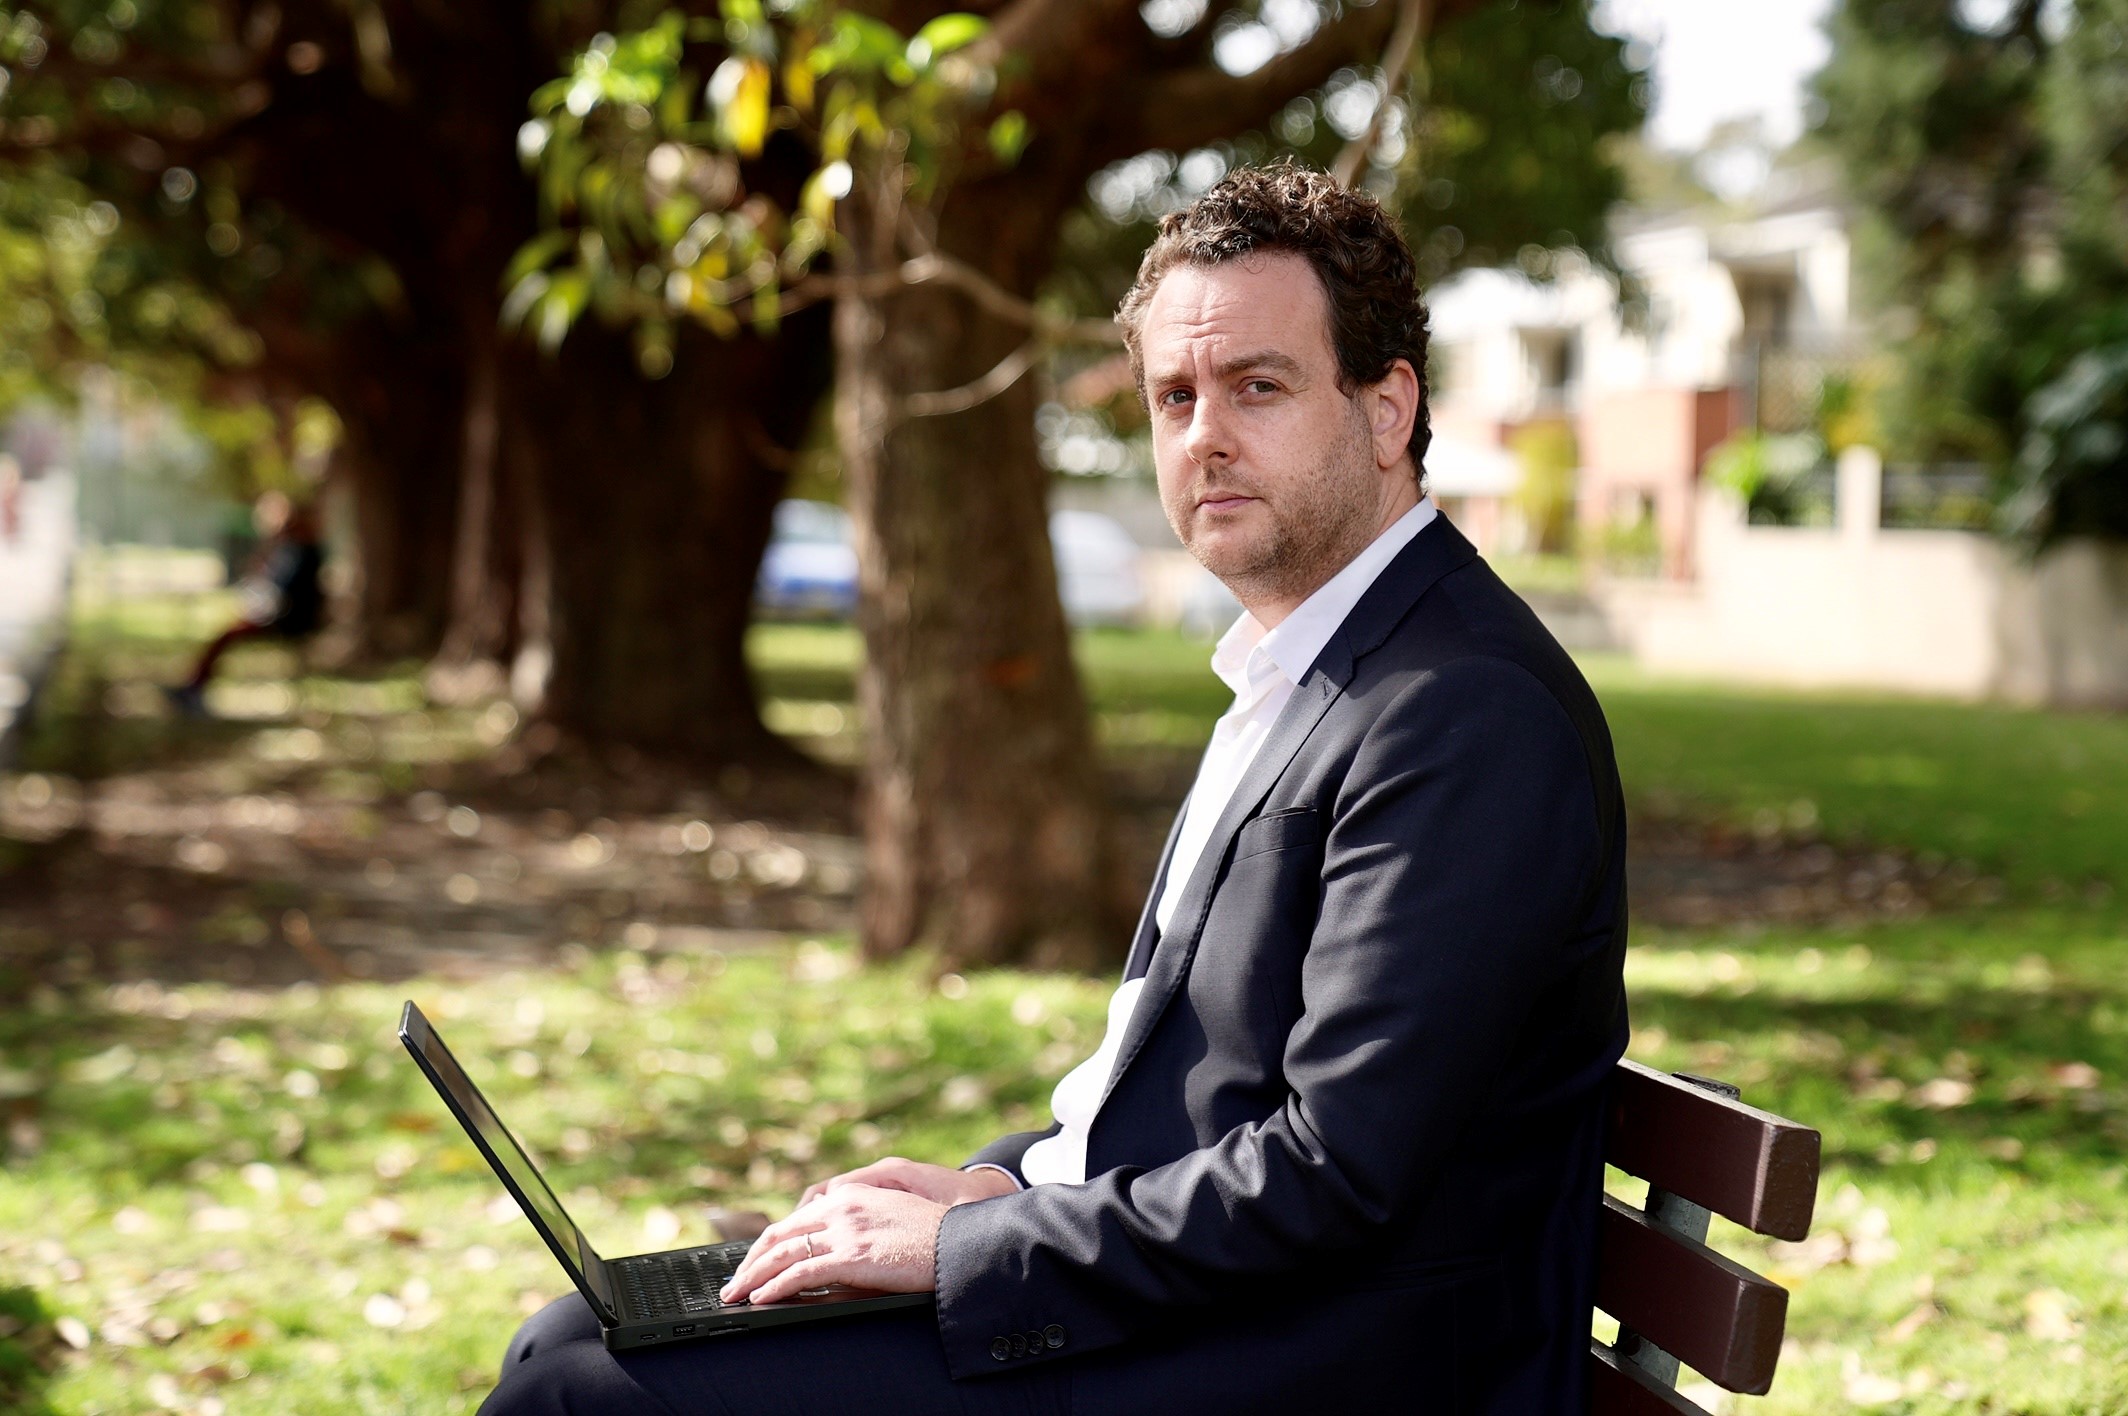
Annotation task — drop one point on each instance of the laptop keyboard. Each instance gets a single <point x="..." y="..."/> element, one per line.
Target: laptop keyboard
<point x="685" y="1281"/>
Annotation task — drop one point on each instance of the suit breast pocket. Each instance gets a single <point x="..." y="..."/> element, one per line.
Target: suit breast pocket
<point x="1278" y="831"/>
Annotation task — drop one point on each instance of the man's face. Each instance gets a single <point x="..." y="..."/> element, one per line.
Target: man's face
<point x="1272" y="476"/>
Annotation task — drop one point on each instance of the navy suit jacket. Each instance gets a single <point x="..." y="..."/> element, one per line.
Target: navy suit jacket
<point x="1351" y="1151"/>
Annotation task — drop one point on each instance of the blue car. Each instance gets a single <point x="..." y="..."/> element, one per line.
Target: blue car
<point x="810" y="567"/>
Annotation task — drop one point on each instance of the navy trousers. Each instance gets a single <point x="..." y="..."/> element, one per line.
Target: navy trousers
<point x="881" y="1363"/>
<point x="1303" y="1353"/>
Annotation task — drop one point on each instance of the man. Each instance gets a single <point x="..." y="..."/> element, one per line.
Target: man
<point x="284" y="598"/>
<point x="1340" y="1149"/>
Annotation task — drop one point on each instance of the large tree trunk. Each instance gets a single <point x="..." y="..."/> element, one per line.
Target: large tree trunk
<point x="400" y="460"/>
<point x="487" y="561"/>
<point x="985" y="825"/>
<point x="656" y="498"/>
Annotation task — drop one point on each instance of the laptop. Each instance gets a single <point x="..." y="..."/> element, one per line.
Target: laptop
<point x="640" y="1299"/>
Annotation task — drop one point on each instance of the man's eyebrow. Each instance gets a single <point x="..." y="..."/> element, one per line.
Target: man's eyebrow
<point x="1266" y="360"/>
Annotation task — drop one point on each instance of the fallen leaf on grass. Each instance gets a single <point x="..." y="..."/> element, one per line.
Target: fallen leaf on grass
<point x="2050" y="1316"/>
<point x="2074" y="1076"/>
<point x="73" y="1332"/>
<point x="123" y="1334"/>
<point x="220" y="1219"/>
<point x="1906" y="1327"/>
<point x="1941" y="1094"/>
<point x="1872" y="1389"/>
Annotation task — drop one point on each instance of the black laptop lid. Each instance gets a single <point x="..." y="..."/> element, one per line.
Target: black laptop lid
<point x="509" y="1160"/>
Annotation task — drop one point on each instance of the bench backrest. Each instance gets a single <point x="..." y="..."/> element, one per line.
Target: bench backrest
<point x="1700" y="1150"/>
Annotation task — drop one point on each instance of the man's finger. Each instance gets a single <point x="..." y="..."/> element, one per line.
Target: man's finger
<point x="779" y="1246"/>
<point x="863" y="1175"/>
<point x="790" y="1282"/>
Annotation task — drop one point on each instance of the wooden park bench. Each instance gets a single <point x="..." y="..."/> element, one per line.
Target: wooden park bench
<point x="1700" y="1150"/>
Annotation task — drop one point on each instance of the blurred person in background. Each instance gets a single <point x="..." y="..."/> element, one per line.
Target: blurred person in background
<point x="283" y="596"/>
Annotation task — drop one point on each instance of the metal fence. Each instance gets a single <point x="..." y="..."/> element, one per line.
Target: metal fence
<point x="1958" y="496"/>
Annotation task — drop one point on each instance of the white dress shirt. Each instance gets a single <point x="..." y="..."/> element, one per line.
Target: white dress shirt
<point x="1262" y="667"/>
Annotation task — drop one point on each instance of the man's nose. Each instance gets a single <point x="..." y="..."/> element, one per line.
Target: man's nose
<point x="1211" y="434"/>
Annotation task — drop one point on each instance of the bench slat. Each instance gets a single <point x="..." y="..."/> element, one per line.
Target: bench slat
<point x="1619" y="1388"/>
<point x="1715" y="1315"/>
<point x="1748" y="1165"/>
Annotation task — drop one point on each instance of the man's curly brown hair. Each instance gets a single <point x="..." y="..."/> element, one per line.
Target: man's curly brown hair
<point x="1368" y="277"/>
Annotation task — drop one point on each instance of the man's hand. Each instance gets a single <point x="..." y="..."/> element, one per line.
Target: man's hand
<point x="860" y="1235"/>
<point x="872" y="1227"/>
<point x="937" y="1183"/>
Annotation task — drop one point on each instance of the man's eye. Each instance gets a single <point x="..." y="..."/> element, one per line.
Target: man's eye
<point x="1261" y="386"/>
<point x="1174" y="397"/>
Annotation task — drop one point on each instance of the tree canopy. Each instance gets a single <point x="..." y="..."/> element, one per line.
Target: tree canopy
<point x="1991" y="160"/>
<point x="576" y="278"/>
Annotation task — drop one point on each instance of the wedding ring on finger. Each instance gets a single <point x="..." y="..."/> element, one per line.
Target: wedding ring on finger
<point x="809" y="1246"/>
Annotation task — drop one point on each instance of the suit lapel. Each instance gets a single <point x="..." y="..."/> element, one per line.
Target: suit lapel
<point x="1171" y="960"/>
<point x="1435" y="551"/>
<point x="1148" y="933"/>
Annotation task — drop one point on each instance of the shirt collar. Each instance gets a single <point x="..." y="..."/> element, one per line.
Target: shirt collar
<point x="1247" y="655"/>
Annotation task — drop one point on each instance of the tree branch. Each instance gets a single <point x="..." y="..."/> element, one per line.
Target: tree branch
<point x="1196" y="106"/>
<point x="1046" y="49"/>
<point x="1193" y="107"/>
<point x="1396" y="63"/>
<point x="959" y="400"/>
<point x="933" y="267"/>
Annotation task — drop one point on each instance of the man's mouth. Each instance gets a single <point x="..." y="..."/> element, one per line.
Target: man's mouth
<point x="1222" y="501"/>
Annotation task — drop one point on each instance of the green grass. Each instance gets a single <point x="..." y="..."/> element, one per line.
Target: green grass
<point x="254" y="1197"/>
<point x="2040" y="797"/>
<point x="1971" y="1080"/>
<point x="247" y="1201"/>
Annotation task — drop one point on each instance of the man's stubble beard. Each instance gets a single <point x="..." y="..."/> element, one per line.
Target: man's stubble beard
<point x="1323" y="521"/>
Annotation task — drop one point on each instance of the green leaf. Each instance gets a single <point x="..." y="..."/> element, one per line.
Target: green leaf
<point x="558" y="308"/>
<point x="1008" y="136"/>
<point x="673" y="216"/>
<point x="536" y="254"/>
<point x="859" y="45"/>
<point x="946" y="34"/>
<point x="817" y="200"/>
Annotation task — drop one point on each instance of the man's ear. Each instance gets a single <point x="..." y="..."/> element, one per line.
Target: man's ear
<point x="1392" y="407"/>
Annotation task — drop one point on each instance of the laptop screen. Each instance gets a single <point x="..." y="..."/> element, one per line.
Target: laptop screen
<point x="502" y="1150"/>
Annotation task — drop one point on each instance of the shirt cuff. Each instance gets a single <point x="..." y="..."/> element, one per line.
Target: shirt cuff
<point x="1017" y="1182"/>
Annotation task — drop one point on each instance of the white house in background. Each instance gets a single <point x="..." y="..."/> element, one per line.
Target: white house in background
<point x="1475" y="482"/>
<point x="1729" y="300"/>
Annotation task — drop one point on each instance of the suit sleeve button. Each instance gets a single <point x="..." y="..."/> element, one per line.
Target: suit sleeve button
<point x="1000" y="1348"/>
<point x="1054" y="1335"/>
<point x="1019" y="1344"/>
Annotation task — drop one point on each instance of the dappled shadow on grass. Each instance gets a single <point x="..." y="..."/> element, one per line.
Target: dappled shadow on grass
<point x="335" y="827"/>
<point x="28" y="1347"/>
<point x="1967" y="1074"/>
<point x="2002" y="1039"/>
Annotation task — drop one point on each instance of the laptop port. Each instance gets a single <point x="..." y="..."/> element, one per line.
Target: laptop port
<point x="686" y="1330"/>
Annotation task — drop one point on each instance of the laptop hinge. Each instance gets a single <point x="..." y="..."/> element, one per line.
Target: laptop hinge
<point x="598" y="1273"/>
